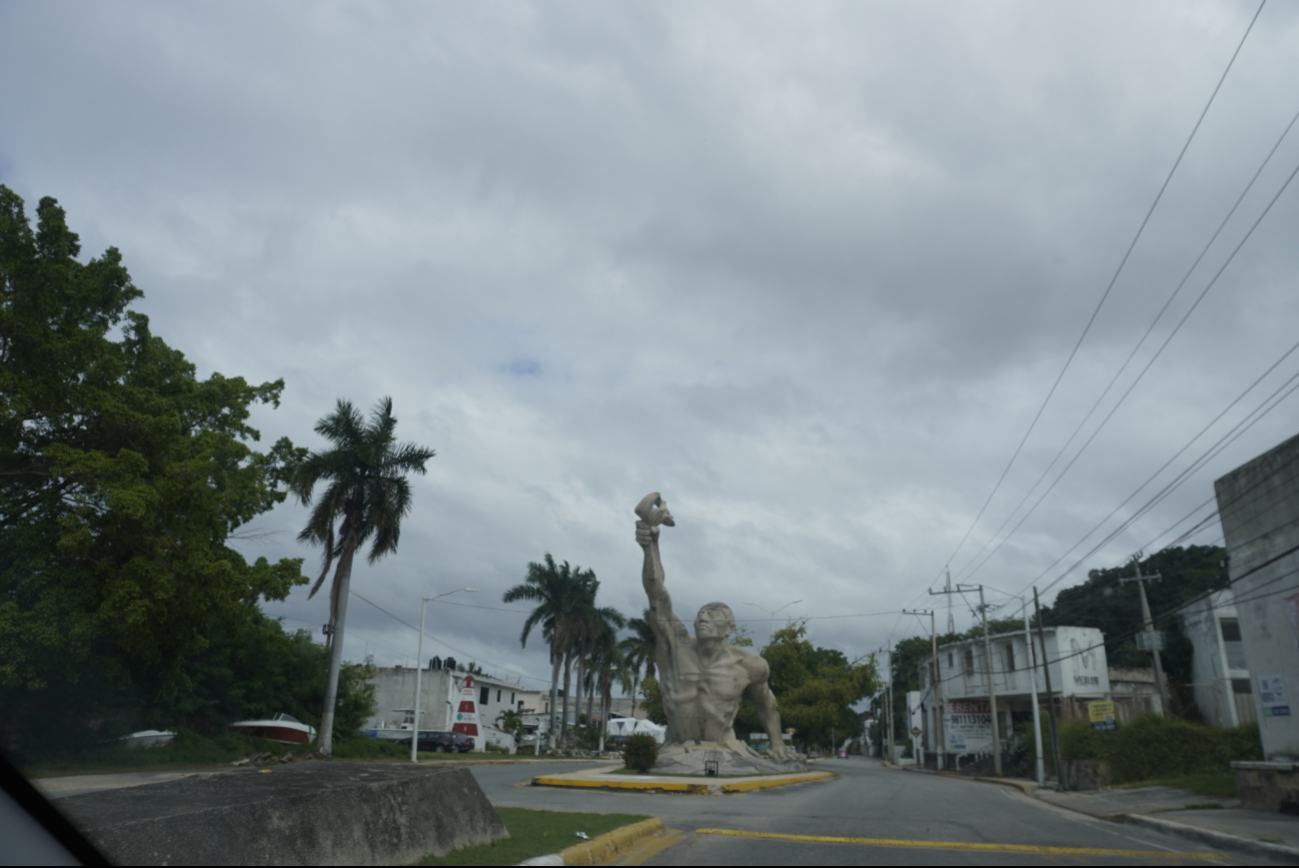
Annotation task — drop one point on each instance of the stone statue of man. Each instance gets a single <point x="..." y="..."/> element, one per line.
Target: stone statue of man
<point x="702" y="679"/>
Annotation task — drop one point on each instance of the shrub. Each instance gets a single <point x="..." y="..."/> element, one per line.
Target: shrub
<point x="495" y="748"/>
<point x="640" y="752"/>
<point x="1155" y="747"/>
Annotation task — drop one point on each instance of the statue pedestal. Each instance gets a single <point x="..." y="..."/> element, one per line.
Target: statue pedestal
<point x="733" y="758"/>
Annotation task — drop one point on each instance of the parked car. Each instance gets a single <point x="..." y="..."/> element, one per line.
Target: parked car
<point x="442" y="742"/>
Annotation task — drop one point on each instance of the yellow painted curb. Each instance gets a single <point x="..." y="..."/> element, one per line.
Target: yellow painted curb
<point x="750" y="786"/>
<point x="586" y="783"/>
<point x="604" y="847"/>
<point x="700" y="789"/>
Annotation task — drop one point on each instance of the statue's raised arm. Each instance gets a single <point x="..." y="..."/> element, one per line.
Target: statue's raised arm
<point x="652" y="512"/>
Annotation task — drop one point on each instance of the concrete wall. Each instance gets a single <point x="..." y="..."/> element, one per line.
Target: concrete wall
<point x="316" y="813"/>
<point x="1258" y="504"/>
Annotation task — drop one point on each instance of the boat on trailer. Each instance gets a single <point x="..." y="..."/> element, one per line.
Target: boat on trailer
<point x="284" y="728"/>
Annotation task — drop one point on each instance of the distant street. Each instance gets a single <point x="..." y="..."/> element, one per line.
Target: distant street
<point x="910" y="819"/>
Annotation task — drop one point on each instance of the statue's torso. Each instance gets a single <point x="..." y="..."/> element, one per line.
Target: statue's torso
<point x="701" y="699"/>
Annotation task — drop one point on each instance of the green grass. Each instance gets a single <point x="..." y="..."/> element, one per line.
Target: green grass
<point x="1220" y="784"/>
<point x="535" y="833"/>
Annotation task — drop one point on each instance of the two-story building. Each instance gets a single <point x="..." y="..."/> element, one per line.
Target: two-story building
<point x="1079" y="674"/>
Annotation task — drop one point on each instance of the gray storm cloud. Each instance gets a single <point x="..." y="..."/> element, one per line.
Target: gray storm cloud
<point x="809" y="271"/>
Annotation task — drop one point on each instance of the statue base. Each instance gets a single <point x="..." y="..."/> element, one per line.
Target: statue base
<point x="732" y="758"/>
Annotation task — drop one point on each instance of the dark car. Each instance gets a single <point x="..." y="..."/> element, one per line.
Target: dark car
<point x="444" y="742"/>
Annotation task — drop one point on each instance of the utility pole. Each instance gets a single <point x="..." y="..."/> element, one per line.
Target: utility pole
<point x="937" y="679"/>
<point x="888" y="698"/>
<point x="1037" y="710"/>
<point x="1050" y="701"/>
<point x="419" y="667"/>
<point x="1151" y="636"/>
<point x="951" y="622"/>
<point x="992" y="687"/>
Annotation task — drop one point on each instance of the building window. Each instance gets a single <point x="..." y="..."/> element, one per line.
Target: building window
<point x="1010" y="657"/>
<point x="511" y="698"/>
<point x="483" y="695"/>
<point x="498" y="696"/>
<point x="1232" y="644"/>
<point x="1241" y="685"/>
<point x="969" y="661"/>
<point x="951" y="661"/>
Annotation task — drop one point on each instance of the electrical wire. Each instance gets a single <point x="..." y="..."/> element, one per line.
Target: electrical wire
<point x="967" y="571"/>
<point x="1177" y="481"/>
<point x="1123" y="262"/>
<point x="442" y="643"/>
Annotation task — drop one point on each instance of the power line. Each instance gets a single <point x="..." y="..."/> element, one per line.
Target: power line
<point x="442" y="643"/>
<point x="1204" y="251"/>
<point x="1177" y="481"/>
<point x="1141" y="229"/>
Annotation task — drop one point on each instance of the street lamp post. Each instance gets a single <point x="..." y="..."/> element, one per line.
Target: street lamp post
<point x="772" y="613"/>
<point x="419" y="660"/>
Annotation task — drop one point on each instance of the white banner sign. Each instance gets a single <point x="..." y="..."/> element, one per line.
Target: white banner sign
<point x="967" y="725"/>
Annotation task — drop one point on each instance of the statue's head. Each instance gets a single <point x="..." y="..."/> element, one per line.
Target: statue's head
<point x="714" y="621"/>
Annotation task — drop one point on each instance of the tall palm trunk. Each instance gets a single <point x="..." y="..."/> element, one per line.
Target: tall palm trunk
<point x="553" y="733"/>
<point x="577" y="707"/>
<point x="606" y="702"/>
<point x="342" y="584"/>
<point x="568" y="682"/>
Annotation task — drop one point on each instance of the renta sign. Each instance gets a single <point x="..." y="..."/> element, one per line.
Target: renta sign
<point x="967" y="725"/>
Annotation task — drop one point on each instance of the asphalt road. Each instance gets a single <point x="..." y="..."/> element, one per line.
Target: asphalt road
<point x="905" y="818"/>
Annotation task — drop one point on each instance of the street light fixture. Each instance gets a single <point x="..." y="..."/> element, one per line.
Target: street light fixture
<point x="772" y="613"/>
<point x="419" y="660"/>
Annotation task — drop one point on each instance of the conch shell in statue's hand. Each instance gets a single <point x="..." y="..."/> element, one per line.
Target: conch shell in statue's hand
<point x="653" y="510"/>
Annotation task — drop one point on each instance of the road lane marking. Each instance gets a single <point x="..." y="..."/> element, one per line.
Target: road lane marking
<point x="962" y="845"/>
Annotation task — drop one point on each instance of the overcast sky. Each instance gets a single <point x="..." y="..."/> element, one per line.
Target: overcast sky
<point x="809" y="270"/>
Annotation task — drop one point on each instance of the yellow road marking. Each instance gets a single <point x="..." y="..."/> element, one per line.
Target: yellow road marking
<point x="647" y="847"/>
<point x="961" y="845"/>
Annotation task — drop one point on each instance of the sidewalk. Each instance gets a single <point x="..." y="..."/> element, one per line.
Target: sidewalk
<point x="1181" y="812"/>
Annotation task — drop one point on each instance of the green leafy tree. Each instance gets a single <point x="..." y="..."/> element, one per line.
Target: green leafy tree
<point x="652" y="701"/>
<point x="1114" y="607"/>
<point x="123" y="477"/>
<point x="815" y="687"/>
<point x="511" y="721"/>
<point x="367" y="495"/>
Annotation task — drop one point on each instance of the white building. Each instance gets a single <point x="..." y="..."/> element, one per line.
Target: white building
<point x="1219" y="671"/>
<point x="1079" y="674"/>
<point x="440" y="696"/>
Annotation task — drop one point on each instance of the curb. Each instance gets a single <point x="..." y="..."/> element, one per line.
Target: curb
<point x="684" y="787"/>
<point x="601" y="848"/>
<point x="1023" y="788"/>
<point x="1220" y="839"/>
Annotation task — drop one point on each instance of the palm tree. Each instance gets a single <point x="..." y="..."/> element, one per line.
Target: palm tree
<point x="594" y="626"/>
<point x="640" y="650"/>
<point x="368" y="495"/>
<point x="557" y="591"/>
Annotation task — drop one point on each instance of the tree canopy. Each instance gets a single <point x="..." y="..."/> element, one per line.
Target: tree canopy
<point x="123" y="477"/>
<point x="814" y="687"/>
